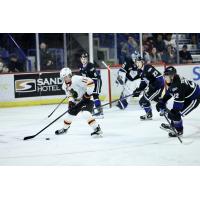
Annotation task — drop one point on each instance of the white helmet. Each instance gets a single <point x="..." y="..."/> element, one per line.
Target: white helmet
<point x="65" y="72"/>
<point x="135" y="56"/>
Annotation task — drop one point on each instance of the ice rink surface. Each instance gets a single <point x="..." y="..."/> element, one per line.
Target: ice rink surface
<point x="126" y="141"/>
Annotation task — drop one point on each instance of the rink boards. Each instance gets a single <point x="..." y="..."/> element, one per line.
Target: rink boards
<point x="29" y="89"/>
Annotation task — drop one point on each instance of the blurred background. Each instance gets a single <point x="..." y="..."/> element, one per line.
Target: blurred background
<point x="32" y="52"/>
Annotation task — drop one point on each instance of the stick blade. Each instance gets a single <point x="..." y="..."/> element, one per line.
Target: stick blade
<point x="29" y="137"/>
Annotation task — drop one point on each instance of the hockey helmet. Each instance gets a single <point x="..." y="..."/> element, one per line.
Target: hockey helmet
<point x="136" y="56"/>
<point x="170" y="71"/>
<point x="65" y="72"/>
<point x="138" y="60"/>
<point x="169" y="75"/>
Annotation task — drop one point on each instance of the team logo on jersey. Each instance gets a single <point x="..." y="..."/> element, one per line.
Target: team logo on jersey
<point x="25" y="85"/>
<point x="174" y="89"/>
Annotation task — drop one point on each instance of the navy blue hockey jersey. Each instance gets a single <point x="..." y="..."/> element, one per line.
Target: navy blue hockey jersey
<point x="181" y="89"/>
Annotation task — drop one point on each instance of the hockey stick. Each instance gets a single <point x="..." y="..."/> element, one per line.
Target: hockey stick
<point x="32" y="136"/>
<point x="56" y="107"/>
<point x="172" y="127"/>
<point x="115" y="100"/>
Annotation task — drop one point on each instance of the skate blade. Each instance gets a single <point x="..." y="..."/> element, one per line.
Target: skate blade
<point x="145" y="119"/>
<point x="167" y="130"/>
<point x="97" y="136"/>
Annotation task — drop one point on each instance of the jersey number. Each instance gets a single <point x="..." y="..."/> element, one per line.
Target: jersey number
<point x="176" y="95"/>
<point x="155" y="73"/>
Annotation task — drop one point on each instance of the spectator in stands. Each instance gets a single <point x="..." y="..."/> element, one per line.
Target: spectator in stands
<point x="154" y="56"/>
<point x="147" y="40"/>
<point x="194" y="39"/>
<point x="14" y="64"/>
<point x="169" y="41"/>
<point x="185" y="56"/>
<point x="46" y="59"/>
<point x="146" y="54"/>
<point x="128" y="48"/>
<point x="160" y="44"/>
<point x="169" y="55"/>
<point x="3" y="67"/>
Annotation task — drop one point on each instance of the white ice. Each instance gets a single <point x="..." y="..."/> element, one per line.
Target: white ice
<point x="126" y="141"/>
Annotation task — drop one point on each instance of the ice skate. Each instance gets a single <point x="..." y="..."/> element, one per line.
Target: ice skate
<point x="61" y="131"/>
<point x="148" y="116"/>
<point x="165" y="127"/>
<point x="97" y="132"/>
<point x="177" y="134"/>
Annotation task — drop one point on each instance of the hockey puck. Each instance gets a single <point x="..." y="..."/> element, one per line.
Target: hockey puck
<point x="47" y="138"/>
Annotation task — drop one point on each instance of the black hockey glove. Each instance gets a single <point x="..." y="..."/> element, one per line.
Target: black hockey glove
<point x="85" y="99"/>
<point x="72" y="108"/>
<point x="71" y="105"/>
<point x="136" y="92"/>
<point x="161" y="106"/>
<point x="74" y="94"/>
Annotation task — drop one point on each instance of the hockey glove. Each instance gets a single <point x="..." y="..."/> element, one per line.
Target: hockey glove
<point x="119" y="80"/>
<point x="74" y="93"/>
<point x="136" y="92"/>
<point x="161" y="107"/>
<point x="85" y="99"/>
<point x="71" y="105"/>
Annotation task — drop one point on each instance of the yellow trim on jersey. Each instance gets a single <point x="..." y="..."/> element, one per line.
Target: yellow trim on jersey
<point x="90" y="83"/>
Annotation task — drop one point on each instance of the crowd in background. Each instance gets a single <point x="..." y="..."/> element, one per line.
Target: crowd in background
<point x="13" y="63"/>
<point x="157" y="48"/>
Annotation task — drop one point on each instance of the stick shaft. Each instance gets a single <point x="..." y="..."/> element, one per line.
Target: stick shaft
<point x="29" y="137"/>
<point x="172" y="128"/>
<point x="56" y="107"/>
<point x="32" y="136"/>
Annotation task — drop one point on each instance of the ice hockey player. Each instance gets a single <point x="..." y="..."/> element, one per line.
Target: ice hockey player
<point x="152" y="85"/>
<point x="88" y="69"/>
<point x="186" y="95"/>
<point x="79" y="90"/>
<point x="126" y="75"/>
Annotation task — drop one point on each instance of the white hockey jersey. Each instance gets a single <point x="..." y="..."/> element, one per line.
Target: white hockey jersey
<point x="79" y="86"/>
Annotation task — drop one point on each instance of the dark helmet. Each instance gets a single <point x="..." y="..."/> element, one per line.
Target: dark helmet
<point x="84" y="55"/>
<point x="170" y="71"/>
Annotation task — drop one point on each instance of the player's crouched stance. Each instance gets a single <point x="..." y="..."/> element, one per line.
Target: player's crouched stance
<point x="79" y="90"/>
<point x="186" y="95"/>
<point x="152" y="85"/>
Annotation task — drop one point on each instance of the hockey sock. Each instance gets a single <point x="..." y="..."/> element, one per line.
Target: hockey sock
<point x="178" y="125"/>
<point x="148" y="109"/>
<point x="91" y="120"/>
<point x="97" y="103"/>
<point x="122" y="104"/>
<point x="68" y="121"/>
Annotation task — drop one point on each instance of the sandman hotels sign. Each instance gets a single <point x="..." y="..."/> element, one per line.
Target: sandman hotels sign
<point x="32" y="85"/>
